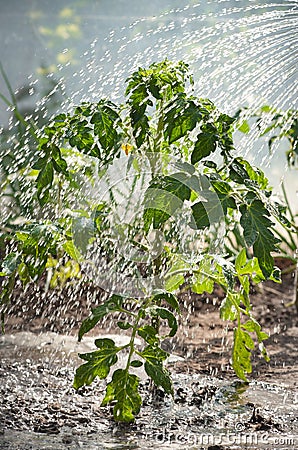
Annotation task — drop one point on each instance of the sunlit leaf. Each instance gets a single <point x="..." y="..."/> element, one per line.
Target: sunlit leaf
<point x="257" y="233"/>
<point x="241" y="354"/>
<point x="123" y="389"/>
<point x="181" y="117"/>
<point x="98" y="363"/>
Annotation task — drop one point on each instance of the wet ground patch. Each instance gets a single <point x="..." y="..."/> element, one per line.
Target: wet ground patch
<point x="39" y="409"/>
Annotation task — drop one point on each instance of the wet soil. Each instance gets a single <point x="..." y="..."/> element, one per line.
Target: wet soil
<point x="211" y="409"/>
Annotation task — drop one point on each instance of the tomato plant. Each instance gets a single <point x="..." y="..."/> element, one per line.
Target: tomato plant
<point x="186" y="187"/>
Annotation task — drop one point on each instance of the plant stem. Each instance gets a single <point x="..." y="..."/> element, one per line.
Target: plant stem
<point x="134" y="332"/>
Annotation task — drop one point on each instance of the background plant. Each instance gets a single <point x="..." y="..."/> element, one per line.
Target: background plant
<point x="281" y="127"/>
<point x="185" y="144"/>
<point x="18" y="141"/>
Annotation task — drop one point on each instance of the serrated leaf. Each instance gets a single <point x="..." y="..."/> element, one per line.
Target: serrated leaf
<point x="154" y="357"/>
<point x="225" y="194"/>
<point x="202" y="284"/>
<point x="98" y="365"/>
<point x="124" y="390"/>
<point x="105" y="121"/>
<point x="227" y="308"/>
<point x="181" y="117"/>
<point x="252" y="268"/>
<point x="241" y="354"/>
<point x="114" y="303"/>
<point x="204" y="145"/>
<point x="253" y="326"/>
<point x="257" y="233"/>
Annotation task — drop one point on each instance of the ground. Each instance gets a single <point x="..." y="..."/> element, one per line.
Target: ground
<point x="39" y="404"/>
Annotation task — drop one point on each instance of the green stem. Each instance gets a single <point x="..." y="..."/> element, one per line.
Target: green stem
<point x="134" y="332"/>
<point x="9" y="87"/>
<point x="287" y="201"/>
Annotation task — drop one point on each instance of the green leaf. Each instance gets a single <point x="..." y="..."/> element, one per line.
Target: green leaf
<point x="99" y="363"/>
<point x="276" y="275"/>
<point x="103" y="343"/>
<point x="136" y="363"/>
<point x="7" y="287"/>
<point x="164" y="197"/>
<point x="23" y="273"/>
<point x="253" y="326"/>
<point x="203" y="278"/>
<point x="237" y="171"/>
<point x="149" y="334"/>
<point x="124" y="325"/>
<point x="154" y="357"/>
<point x="255" y="174"/>
<point x="257" y="233"/>
<point x="205" y="144"/>
<point x="174" y="280"/>
<point x="165" y="314"/>
<point x="243" y="126"/>
<point x="72" y="250"/>
<point x="124" y="390"/>
<point x="227" y="308"/>
<point x="112" y="304"/>
<point x="243" y="344"/>
<point x="168" y="297"/>
<point x="225" y="194"/>
<point x="182" y="115"/>
<point x="250" y="267"/>
<point x="44" y="183"/>
<point x="140" y="124"/>
<point x="240" y="261"/>
<point x="10" y="264"/>
<point x="226" y="268"/>
<point x="154" y="217"/>
<point x="59" y="163"/>
<point x="105" y="121"/>
<point x="40" y="163"/>
<point x="200" y="216"/>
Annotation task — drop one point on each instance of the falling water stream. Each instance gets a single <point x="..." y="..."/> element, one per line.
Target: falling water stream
<point x="242" y="53"/>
